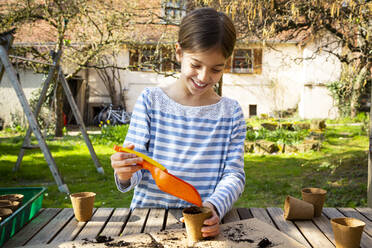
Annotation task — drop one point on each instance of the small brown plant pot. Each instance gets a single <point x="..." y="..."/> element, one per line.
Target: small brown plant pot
<point x="82" y="204"/>
<point x="296" y="209"/>
<point x="315" y="196"/>
<point x="13" y="205"/>
<point x="5" y="212"/>
<point x="194" y="218"/>
<point x="12" y="197"/>
<point x="347" y="231"/>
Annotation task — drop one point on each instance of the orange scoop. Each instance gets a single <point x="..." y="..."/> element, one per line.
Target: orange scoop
<point x="166" y="181"/>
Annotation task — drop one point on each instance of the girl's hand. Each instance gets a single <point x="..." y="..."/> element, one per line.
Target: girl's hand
<point x="125" y="164"/>
<point x="212" y="225"/>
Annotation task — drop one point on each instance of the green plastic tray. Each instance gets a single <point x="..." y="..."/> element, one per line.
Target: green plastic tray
<point x="32" y="201"/>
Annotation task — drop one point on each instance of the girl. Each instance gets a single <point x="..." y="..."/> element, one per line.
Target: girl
<point x="196" y="134"/>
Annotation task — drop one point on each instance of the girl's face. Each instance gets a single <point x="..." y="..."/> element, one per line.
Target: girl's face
<point x="200" y="71"/>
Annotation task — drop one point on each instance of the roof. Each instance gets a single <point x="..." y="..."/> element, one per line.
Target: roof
<point x="151" y="28"/>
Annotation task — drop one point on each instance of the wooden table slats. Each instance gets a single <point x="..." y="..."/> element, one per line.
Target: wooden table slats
<point x="116" y="223"/>
<point x="136" y="221"/>
<point x="96" y="224"/>
<point x="231" y="216"/>
<point x="325" y="226"/>
<point x="173" y="219"/>
<point x="287" y="227"/>
<point x="261" y="214"/>
<point x="59" y="225"/>
<point x="367" y="212"/>
<point x="332" y="213"/>
<point x="155" y="220"/>
<point x="32" y="228"/>
<point x="313" y="235"/>
<point x="244" y="213"/>
<point x="52" y="228"/>
<point x="70" y="231"/>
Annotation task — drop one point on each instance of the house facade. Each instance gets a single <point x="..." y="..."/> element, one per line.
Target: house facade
<point x="268" y="78"/>
<point x="279" y="77"/>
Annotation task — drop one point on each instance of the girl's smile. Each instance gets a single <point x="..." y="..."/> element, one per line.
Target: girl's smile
<point x="199" y="84"/>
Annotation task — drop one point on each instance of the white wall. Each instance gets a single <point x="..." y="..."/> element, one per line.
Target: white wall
<point x="281" y="84"/>
<point x="316" y="102"/>
<point x="9" y="102"/>
<point x="138" y="81"/>
<point x="279" y="87"/>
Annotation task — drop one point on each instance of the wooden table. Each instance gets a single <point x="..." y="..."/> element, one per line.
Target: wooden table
<point x="55" y="225"/>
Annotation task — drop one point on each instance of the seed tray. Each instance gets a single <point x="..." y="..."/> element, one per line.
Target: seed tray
<point x="31" y="204"/>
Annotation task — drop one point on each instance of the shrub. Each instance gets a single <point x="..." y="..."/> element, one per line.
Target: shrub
<point x="111" y="134"/>
<point x="270" y="125"/>
<point x="279" y="136"/>
<point x="362" y="117"/>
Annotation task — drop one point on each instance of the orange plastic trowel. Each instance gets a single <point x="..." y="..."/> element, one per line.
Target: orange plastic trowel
<point x="166" y="181"/>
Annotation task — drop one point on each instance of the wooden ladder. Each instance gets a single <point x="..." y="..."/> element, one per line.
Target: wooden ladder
<point x="6" y="40"/>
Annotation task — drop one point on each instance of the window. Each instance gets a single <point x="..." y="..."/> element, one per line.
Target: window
<point x="144" y="59"/>
<point x="173" y="10"/>
<point x="252" y="110"/>
<point x="246" y="61"/>
<point x="243" y="61"/>
<point x="150" y="59"/>
<point x="147" y="59"/>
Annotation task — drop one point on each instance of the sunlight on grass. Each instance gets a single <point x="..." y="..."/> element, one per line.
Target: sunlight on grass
<point x="340" y="167"/>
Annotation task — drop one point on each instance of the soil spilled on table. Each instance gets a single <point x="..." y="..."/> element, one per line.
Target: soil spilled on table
<point x="237" y="234"/>
<point x="107" y="240"/>
<point x="265" y="242"/>
<point x="103" y="239"/>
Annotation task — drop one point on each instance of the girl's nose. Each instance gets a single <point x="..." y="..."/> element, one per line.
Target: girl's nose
<point x="203" y="75"/>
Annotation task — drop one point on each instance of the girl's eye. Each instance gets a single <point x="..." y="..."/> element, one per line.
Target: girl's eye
<point x="216" y="70"/>
<point x="194" y="66"/>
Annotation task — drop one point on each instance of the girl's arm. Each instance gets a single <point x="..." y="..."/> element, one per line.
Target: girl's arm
<point x="232" y="182"/>
<point x="139" y="135"/>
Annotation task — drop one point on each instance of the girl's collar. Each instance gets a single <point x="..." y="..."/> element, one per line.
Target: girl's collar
<point x="188" y="106"/>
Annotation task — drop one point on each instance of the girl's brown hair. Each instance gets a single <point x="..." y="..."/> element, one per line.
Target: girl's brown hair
<point x="206" y="28"/>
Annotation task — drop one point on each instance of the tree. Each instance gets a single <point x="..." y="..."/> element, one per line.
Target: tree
<point x="85" y="30"/>
<point x="109" y="73"/>
<point x="348" y="22"/>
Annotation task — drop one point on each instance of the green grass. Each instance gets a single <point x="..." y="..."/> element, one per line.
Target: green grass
<point x="75" y="165"/>
<point x="340" y="168"/>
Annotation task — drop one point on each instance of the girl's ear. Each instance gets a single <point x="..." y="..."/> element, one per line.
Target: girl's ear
<point x="178" y="52"/>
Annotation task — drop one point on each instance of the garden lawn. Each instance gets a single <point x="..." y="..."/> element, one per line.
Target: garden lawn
<point x="340" y="167"/>
<point x="75" y="165"/>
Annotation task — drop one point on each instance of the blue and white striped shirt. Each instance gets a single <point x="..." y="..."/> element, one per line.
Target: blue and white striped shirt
<point x="202" y="145"/>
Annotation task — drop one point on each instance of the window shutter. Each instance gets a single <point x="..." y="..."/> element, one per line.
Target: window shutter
<point x="133" y="59"/>
<point x="166" y="58"/>
<point x="227" y="68"/>
<point x="257" y="66"/>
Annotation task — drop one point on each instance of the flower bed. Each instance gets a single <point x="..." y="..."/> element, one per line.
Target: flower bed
<point x="284" y="137"/>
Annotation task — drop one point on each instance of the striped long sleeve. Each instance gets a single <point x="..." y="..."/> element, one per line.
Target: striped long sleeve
<point x="232" y="182"/>
<point x="201" y="145"/>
